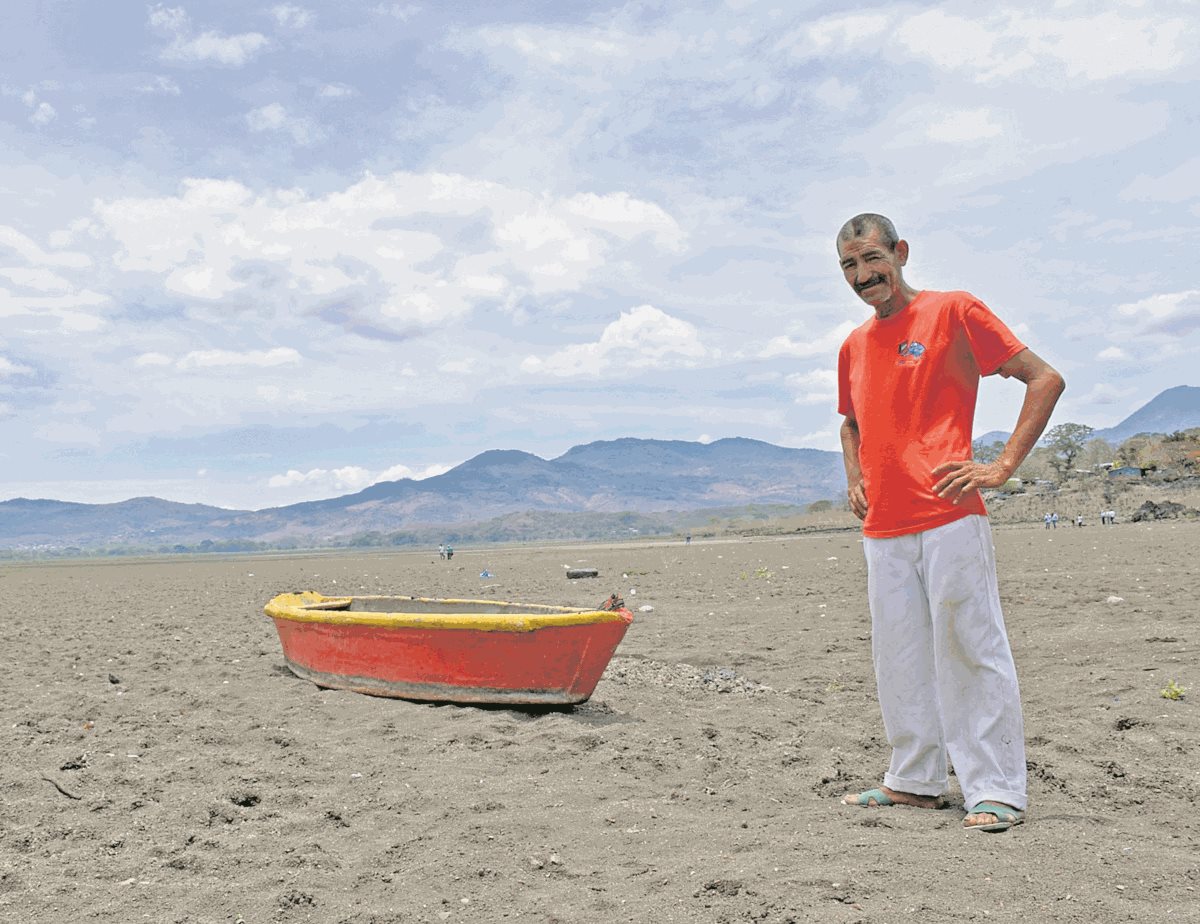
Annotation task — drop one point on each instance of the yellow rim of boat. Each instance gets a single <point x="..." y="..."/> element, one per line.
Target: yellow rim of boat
<point x="310" y="606"/>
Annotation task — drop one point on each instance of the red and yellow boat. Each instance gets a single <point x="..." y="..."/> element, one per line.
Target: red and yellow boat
<point x="465" y="651"/>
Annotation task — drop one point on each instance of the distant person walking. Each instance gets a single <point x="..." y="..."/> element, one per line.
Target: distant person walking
<point x="907" y="384"/>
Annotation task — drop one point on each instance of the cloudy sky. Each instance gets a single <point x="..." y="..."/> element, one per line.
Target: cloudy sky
<point x="256" y="254"/>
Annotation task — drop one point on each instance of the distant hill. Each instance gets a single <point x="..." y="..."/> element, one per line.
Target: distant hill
<point x="992" y="436"/>
<point x="637" y="475"/>
<point x="1170" y="411"/>
<point x="25" y="522"/>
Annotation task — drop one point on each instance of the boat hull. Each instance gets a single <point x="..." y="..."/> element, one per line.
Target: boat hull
<point x="532" y="655"/>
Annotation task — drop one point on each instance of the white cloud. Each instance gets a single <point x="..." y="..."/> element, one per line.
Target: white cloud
<point x="1104" y="393"/>
<point x="152" y="359"/>
<point x="160" y="86"/>
<point x="371" y="245"/>
<point x="267" y="118"/>
<point x="828" y="440"/>
<point x="229" y="50"/>
<point x="37" y="279"/>
<point x="834" y="35"/>
<point x="1170" y="313"/>
<point x="292" y="17"/>
<point x="620" y="211"/>
<point x="207" y="47"/>
<point x="1112" y="354"/>
<point x="203" y="359"/>
<point x="1008" y="43"/>
<point x="68" y="311"/>
<point x="1109" y="44"/>
<point x="825" y="345"/>
<point x="169" y="19"/>
<point x="953" y="42"/>
<point x="836" y="94"/>
<point x="67" y="433"/>
<point x="964" y="126"/>
<point x="336" y="91"/>
<point x="818" y="386"/>
<point x="398" y="472"/>
<point x="599" y="55"/>
<point x="641" y="337"/>
<point x="400" y="11"/>
<point x="348" y="478"/>
<point x="38" y="289"/>
<point x="29" y="250"/>
<point x="8" y="367"/>
<point x="43" y="114"/>
<point x="1178" y="185"/>
<point x="275" y="118"/>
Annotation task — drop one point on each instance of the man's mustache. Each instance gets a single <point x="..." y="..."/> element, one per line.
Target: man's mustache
<point x="874" y="280"/>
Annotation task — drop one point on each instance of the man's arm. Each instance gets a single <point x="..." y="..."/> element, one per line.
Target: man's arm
<point x="854" y="480"/>
<point x="1043" y="386"/>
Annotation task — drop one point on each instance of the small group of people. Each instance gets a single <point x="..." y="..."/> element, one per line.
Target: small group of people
<point x="1107" y="518"/>
<point x="445" y="552"/>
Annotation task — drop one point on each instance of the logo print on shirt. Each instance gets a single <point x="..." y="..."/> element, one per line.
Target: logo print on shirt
<point x="910" y="352"/>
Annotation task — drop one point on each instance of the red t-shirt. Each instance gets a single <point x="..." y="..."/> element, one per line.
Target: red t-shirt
<point x="910" y="380"/>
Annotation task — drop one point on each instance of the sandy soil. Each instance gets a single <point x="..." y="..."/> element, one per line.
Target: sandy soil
<point x="161" y="764"/>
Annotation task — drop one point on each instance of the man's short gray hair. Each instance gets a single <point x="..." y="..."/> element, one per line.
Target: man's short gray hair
<point x="867" y="222"/>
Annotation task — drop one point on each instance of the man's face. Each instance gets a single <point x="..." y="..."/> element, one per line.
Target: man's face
<point x="872" y="268"/>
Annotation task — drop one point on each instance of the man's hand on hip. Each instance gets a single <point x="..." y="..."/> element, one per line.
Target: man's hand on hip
<point x="960" y="478"/>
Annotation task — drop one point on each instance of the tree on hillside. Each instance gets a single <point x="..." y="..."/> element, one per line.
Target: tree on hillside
<point x="1138" y="451"/>
<point x="1178" y="452"/>
<point x="1065" y="442"/>
<point x="988" y="452"/>
<point x="1096" y="453"/>
<point x="1038" y="465"/>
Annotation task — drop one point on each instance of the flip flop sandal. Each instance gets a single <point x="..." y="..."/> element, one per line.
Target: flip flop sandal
<point x="1006" y="816"/>
<point x="872" y="798"/>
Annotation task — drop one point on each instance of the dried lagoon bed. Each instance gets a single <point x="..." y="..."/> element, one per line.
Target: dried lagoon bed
<point x="162" y="764"/>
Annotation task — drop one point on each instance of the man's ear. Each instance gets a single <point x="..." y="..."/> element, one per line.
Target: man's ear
<point x="902" y="252"/>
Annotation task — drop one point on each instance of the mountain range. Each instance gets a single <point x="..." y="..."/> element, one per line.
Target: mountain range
<point x="601" y="479"/>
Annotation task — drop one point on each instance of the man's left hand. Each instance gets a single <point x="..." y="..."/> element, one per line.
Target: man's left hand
<point x="960" y="478"/>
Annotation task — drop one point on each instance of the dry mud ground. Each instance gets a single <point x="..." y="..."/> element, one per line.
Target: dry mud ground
<point x="161" y="764"/>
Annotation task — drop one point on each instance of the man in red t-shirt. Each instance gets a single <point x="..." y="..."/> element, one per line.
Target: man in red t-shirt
<point x="907" y="382"/>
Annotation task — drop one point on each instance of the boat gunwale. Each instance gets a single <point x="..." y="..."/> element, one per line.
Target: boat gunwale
<point x="313" y="607"/>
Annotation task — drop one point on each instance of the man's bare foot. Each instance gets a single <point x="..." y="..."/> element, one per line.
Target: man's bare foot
<point x="886" y="796"/>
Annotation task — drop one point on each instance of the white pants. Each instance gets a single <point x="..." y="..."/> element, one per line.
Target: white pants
<point x="947" y="682"/>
